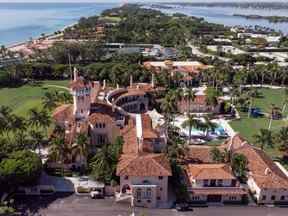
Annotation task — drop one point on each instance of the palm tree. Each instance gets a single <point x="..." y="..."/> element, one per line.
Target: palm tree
<point x="285" y="100"/>
<point x="81" y="147"/>
<point x="45" y="120"/>
<point x="216" y="155"/>
<point x="6" y="118"/>
<point x="207" y="125"/>
<point x="191" y="123"/>
<point x="39" y="119"/>
<point x="58" y="151"/>
<point x="168" y="107"/>
<point x="36" y="138"/>
<point x="189" y="94"/>
<point x="264" y="138"/>
<point x="282" y="138"/>
<point x="101" y="162"/>
<point x="49" y="100"/>
<point x="35" y="118"/>
<point x="239" y="165"/>
<point x="253" y="93"/>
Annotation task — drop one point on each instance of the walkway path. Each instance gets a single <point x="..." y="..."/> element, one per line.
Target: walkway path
<point x="263" y="86"/>
<point x="57" y="86"/>
<point x="196" y="51"/>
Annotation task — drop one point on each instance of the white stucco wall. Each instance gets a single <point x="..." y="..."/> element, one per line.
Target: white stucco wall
<point x="161" y="191"/>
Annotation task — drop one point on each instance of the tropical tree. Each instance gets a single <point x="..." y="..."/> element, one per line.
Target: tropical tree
<point x="282" y="138"/>
<point x="20" y="168"/>
<point x="169" y="107"/>
<point x="189" y="95"/>
<point x="264" y="138"/>
<point x="104" y="163"/>
<point x="81" y="147"/>
<point x="191" y="123"/>
<point x="5" y="120"/>
<point x="36" y="139"/>
<point x="49" y="100"/>
<point x="216" y="155"/>
<point x="285" y="100"/>
<point x="239" y="165"/>
<point x="252" y="93"/>
<point x="39" y="119"/>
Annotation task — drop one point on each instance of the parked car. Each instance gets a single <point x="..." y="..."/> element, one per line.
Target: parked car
<point x="96" y="194"/>
<point x="183" y="207"/>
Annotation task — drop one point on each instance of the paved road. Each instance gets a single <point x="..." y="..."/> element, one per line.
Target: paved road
<point x="196" y="51"/>
<point x="72" y="205"/>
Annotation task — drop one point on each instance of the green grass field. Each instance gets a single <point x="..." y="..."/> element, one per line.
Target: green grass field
<point x="23" y="98"/>
<point x="269" y="97"/>
<point x="248" y="127"/>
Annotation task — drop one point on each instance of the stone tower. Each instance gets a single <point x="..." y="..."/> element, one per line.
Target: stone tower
<point x="81" y="92"/>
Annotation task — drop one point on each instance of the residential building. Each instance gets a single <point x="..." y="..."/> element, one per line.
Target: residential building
<point x="185" y="74"/>
<point x="142" y="168"/>
<point x="266" y="181"/>
<point x="145" y="178"/>
<point x="214" y="183"/>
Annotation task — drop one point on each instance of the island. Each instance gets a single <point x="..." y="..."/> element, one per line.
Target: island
<point x="272" y="19"/>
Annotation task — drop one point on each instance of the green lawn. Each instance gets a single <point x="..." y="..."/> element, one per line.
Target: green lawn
<point x="269" y="97"/>
<point x="110" y="18"/>
<point x="28" y="96"/>
<point x="248" y="127"/>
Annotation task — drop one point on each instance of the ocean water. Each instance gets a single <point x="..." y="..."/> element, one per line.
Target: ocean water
<point x="224" y="15"/>
<point x="21" y="21"/>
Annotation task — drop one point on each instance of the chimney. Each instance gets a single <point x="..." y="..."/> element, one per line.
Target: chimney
<point x="117" y="86"/>
<point x="153" y="80"/>
<point x="131" y="81"/>
<point x="75" y="74"/>
<point x="104" y="84"/>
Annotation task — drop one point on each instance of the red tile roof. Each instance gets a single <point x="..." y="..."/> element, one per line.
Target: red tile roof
<point x="63" y="112"/>
<point x="144" y="165"/>
<point x="130" y="145"/>
<point x="100" y="118"/>
<point x="209" y="171"/>
<point x="148" y="131"/>
<point x="262" y="168"/>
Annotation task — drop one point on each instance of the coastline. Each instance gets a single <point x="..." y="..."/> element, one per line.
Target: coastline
<point x="47" y="36"/>
<point x="55" y="17"/>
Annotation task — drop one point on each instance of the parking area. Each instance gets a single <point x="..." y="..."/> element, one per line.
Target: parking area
<point x="73" y="205"/>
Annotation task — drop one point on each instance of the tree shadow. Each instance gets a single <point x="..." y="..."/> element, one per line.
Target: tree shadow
<point x="31" y="205"/>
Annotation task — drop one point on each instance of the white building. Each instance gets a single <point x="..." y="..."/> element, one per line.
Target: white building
<point x="214" y="183"/>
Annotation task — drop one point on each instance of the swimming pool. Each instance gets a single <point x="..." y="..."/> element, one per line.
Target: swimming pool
<point x="219" y="131"/>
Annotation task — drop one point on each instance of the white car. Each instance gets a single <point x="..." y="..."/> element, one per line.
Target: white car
<point x="96" y="194"/>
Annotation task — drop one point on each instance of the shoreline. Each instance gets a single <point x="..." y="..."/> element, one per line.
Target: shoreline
<point x="47" y="36"/>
